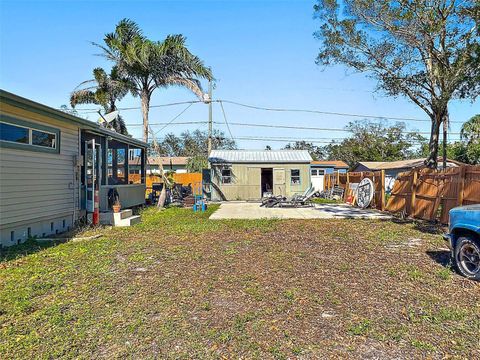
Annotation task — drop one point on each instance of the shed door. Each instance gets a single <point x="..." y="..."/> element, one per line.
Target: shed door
<point x="279" y="181"/>
<point x="254" y="184"/>
<point x="317" y="176"/>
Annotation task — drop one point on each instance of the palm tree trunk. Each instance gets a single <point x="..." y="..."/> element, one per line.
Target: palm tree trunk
<point x="431" y="161"/>
<point x="163" y="193"/>
<point x="162" y="197"/>
<point x="145" y="97"/>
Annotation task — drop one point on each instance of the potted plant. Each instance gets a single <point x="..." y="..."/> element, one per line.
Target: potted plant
<point x="116" y="206"/>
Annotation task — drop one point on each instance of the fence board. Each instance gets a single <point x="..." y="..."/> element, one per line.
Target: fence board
<point x="183" y="178"/>
<point x="436" y="192"/>
<point x="343" y="180"/>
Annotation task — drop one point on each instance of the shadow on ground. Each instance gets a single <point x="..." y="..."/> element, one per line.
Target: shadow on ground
<point x="441" y="257"/>
<point x="29" y="247"/>
<point x="420" y="225"/>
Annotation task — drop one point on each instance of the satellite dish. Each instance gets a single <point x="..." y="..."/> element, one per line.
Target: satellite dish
<point x="108" y="118"/>
<point x="365" y="191"/>
<point x="206" y="98"/>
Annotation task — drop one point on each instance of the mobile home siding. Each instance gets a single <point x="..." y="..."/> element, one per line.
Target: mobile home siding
<point x="38" y="185"/>
<point x="245" y="183"/>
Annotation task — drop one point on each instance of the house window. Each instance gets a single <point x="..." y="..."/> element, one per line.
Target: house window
<point x="14" y="133"/>
<point x="226" y="176"/>
<point x="116" y="160"/>
<point x="318" y="172"/>
<point x="43" y="138"/>
<point x="21" y="134"/>
<point x="295" y="176"/>
<point x="136" y="166"/>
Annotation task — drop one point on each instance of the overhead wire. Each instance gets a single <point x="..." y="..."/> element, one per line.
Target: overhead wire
<point x="175" y="118"/>
<point x="310" y="111"/>
<point x="92" y="110"/>
<point x="327" y="112"/>
<point x="226" y="122"/>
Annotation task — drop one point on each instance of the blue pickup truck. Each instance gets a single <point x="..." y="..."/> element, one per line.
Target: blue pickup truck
<point x="464" y="240"/>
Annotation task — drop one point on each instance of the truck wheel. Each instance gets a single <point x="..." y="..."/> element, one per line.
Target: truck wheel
<point x="467" y="257"/>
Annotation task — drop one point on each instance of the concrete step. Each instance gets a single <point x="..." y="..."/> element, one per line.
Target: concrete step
<point x="123" y="218"/>
<point x="126" y="213"/>
<point x="129" y="221"/>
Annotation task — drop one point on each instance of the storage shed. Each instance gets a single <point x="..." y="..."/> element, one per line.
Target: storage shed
<point x="50" y="165"/>
<point x="250" y="174"/>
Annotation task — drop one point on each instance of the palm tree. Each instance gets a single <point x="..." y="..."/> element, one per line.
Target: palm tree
<point x="105" y="90"/>
<point x="149" y="65"/>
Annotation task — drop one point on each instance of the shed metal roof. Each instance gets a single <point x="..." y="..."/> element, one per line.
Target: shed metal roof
<point x="259" y="156"/>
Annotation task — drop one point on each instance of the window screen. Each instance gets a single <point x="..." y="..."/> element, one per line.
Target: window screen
<point x="226" y="176"/>
<point x="295" y="177"/>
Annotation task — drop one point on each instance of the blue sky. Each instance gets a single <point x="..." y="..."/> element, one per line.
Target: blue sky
<point x="261" y="52"/>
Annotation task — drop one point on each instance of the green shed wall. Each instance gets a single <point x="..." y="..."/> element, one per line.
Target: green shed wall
<point x="246" y="181"/>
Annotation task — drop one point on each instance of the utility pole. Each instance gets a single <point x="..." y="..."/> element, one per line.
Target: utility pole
<point x="210" y="116"/>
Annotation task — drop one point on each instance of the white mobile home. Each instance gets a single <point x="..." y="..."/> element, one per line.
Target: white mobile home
<point x="50" y="165"/>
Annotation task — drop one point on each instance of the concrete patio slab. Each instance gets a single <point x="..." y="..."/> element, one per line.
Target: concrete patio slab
<point x="252" y="210"/>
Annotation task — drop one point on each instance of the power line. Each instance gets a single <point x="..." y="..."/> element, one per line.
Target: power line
<point x="175" y="118"/>
<point x="317" y="128"/>
<point x="278" y="127"/>
<point x="327" y="112"/>
<point x="378" y="117"/>
<point x="290" y="139"/>
<point x="169" y="123"/>
<point x="324" y="140"/>
<point x="226" y="122"/>
<point x="139" y="107"/>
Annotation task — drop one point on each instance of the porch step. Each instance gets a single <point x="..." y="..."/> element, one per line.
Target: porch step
<point x="126" y="213"/>
<point x="123" y="218"/>
<point x="128" y="221"/>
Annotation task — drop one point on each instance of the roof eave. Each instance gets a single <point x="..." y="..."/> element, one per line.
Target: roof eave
<point x="41" y="109"/>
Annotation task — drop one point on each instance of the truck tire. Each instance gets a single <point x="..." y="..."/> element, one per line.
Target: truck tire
<point x="467" y="257"/>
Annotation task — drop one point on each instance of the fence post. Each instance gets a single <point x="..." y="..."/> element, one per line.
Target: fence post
<point x="462" y="185"/>
<point x="414" y="193"/>
<point x="382" y="190"/>
<point x="347" y="184"/>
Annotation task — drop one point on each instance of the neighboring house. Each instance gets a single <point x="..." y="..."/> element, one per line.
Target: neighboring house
<point x="248" y="175"/>
<point x="318" y="169"/>
<point x="393" y="168"/>
<point x="177" y="164"/>
<point x="51" y="163"/>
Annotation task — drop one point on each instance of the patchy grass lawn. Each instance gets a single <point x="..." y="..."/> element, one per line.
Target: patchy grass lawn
<point x="324" y="201"/>
<point x="181" y="286"/>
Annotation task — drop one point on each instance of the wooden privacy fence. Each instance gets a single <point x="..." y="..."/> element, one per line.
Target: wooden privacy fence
<point x="179" y="178"/>
<point x="430" y="194"/>
<point x="344" y="181"/>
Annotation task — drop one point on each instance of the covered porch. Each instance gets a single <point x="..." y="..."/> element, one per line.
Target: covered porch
<point x="107" y="157"/>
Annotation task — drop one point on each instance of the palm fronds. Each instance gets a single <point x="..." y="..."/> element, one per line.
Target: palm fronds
<point x="106" y="91"/>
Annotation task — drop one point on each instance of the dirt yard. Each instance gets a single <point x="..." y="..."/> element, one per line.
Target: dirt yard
<point x="182" y="286"/>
